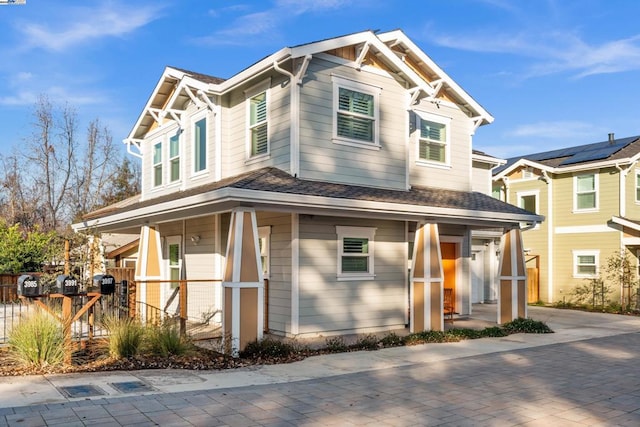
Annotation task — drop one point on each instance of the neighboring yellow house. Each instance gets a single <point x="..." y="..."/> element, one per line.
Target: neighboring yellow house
<point x="590" y="197"/>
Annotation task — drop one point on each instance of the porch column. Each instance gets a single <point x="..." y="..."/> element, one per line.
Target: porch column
<point x="426" y="291"/>
<point x="243" y="286"/>
<point x="148" y="268"/>
<point x="512" y="298"/>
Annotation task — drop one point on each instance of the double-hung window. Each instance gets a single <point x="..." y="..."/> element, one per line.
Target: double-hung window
<point x="433" y="138"/>
<point x="174" y="260"/>
<point x="200" y="145"/>
<point x="356" y="111"/>
<point x="174" y="157"/>
<point x="528" y="201"/>
<point x="355" y="252"/>
<point x="586" y="192"/>
<point x="264" y="243"/>
<point x="585" y="263"/>
<point x="637" y="186"/>
<point x="157" y="164"/>
<point x="258" y="125"/>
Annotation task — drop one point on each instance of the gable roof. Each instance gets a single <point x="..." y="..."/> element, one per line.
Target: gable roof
<point x="424" y="77"/>
<point x="274" y="189"/>
<point x="609" y="152"/>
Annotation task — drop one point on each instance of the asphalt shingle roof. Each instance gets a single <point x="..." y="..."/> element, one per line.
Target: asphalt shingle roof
<point x="274" y="180"/>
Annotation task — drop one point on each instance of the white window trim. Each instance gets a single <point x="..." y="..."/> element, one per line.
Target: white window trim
<point x="636" y="186"/>
<point x="446" y="121"/>
<point x="576" y="253"/>
<point x="167" y="289"/>
<point x="155" y="186"/>
<point x="180" y="157"/>
<point x="265" y="233"/>
<point x="258" y="88"/>
<point x="194" y="119"/>
<point x="596" y="185"/>
<point x="536" y="193"/>
<point x="357" y="232"/>
<point x="342" y="82"/>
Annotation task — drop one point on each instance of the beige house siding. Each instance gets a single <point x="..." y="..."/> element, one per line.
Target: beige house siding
<point x="323" y="159"/>
<point x="329" y="304"/>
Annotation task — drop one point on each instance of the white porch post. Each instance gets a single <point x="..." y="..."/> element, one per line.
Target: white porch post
<point x="512" y="292"/>
<point x="243" y="285"/>
<point x="426" y="290"/>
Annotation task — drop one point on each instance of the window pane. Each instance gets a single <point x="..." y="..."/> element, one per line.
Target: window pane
<point x="586" y="201"/>
<point x="355" y="102"/>
<point x="586" y="259"/>
<point x="433" y="131"/>
<point x="355" y="264"/>
<point x="586" y="269"/>
<point x="157" y="175"/>
<point x="174" y="254"/>
<point x="175" y="170"/>
<point x="200" y="145"/>
<point x="354" y="245"/>
<point x="157" y="154"/>
<point x="355" y="127"/>
<point x="258" y="108"/>
<point x="174" y="146"/>
<point x="432" y="151"/>
<point x="528" y="203"/>
<point x="586" y="183"/>
<point x="259" y="140"/>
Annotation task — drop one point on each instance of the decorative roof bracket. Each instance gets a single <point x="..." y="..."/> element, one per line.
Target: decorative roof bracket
<point x="131" y="142"/>
<point x="206" y="99"/>
<point x="363" y="54"/>
<point x="199" y="103"/>
<point x="477" y="121"/>
<point x="415" y="92"/>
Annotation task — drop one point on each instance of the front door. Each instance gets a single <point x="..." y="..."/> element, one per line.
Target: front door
<point x="448" y="251"/>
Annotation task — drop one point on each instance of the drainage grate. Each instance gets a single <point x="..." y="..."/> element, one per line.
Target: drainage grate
<point x="73" y="391"/>
<point x="131" y="386"/>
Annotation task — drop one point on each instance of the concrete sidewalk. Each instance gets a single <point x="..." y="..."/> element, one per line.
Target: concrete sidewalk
<point x="568" y="325"/>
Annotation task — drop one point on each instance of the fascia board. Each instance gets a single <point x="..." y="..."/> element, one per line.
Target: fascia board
<point x="303" y="202"/>
<point x="590" y="166"/>
<point x="625" y="223"/>
<point x="250" y="72"/>
<point x="519" y="163"/>
<point x="168" y="72"/>
<point x="488" y="159"/>
<point x="399" y="35"/>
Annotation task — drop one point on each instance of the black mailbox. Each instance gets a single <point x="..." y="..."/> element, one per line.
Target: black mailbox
<point x="66" y="285"/>
<point x="29" y="286"/>
<point x="104" y="283"/>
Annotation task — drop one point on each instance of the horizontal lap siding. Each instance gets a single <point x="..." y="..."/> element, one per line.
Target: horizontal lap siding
<point x="280" y="270"/>
<point x="321" y="159"/>
<point x="327" y="304"/>
<point x="457" y="176"/>
<point x="234" y="158"/>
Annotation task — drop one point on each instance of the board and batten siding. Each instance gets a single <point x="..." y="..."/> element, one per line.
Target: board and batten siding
<point x="234" y="134"/>
<point x="279" y="292"/>
<point x="329" y="305"/>
<point x="323" y="160"/>
<point x="456" y="175"/>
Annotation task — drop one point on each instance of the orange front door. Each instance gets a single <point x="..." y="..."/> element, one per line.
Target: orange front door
<point x="449" y="268"/>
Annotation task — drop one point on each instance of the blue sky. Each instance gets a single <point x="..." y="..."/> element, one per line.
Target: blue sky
<point x="552" y="73"/>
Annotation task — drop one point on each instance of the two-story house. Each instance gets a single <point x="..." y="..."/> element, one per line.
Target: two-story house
<point x="340" y="170"/>
<point x="590" y="197"/>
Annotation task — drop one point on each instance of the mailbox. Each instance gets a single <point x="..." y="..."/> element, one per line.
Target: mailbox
<point x="104" y="283"/>
<point x="29" y="286"/>
<point x="66" y="285"/>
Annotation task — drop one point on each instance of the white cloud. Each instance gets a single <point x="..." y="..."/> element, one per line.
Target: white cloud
<point x="29" y="97"/>
<point x="83" y="25"/>
<point x="555" y="130"/>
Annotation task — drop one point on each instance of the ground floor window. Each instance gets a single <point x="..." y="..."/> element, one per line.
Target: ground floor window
<point x="355" y="252"/>
<point x="585" y="263"/>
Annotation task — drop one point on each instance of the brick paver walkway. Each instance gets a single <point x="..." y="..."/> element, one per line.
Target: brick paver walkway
<point x="590" y="382"/>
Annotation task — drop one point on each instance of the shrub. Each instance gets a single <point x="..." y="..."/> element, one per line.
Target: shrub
<point x="367" y="342"/>
<point x="165" y="339"/>
<point x="268" y="348"/>
<point x="336" y="344"/>
<point x="392" y="340"/>
<point x="38" y="340"/>
<point x="527" y="326"/>
<point x="125" y="336"/>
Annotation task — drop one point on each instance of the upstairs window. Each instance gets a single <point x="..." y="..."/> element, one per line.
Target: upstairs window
<point x="586" y="192"/>
<point x="174" y="158"/>
<point x="637" y="185"/>
<point x="258" y="128"/>
<point x="355" y="252"/>
<point x="200" y="145"/>
<point x="433" y="138"/>
<point x="356" y="112"/>
<point x="528" y="202"/>
<point x="157" y="164"/>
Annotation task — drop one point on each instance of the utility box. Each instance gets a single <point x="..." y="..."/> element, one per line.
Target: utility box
<point x="66" y="285"/>
<point x="104" y="283"/>
<point x="29" y="286"/>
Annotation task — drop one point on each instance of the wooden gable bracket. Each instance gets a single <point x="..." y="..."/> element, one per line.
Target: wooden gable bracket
<point x="199" y="103"/>
<point x="415" y="92"/>
<point x="362" y="55"/>
<point x="157" y="114"/>
<point x="134" y="142"/>
<point x="206" y="99"/>
<point x="299" y="75"/>
<point x="477" y="121"/>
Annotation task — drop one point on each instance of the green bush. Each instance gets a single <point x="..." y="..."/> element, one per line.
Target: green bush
<point x="367" y="342"/>
<point x="38" y="340"/>
<point x="526" y="326"/>
<point x="268" y="348"/>
<point x="125" y="336"/>
<point x="166" y="340"/>
<point x="336" y="344"/>
<point x="392" y="340"/>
